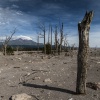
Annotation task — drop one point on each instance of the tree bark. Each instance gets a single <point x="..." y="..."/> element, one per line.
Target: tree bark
<point x="82" y="59"/>
<point x="51" y="39"/>
<point x="44" y="43"/>
<point x="61" y="38"/>
<point x="5" y="49"/>
<point x="38" y="43"/>
<point x="56" y="41"/>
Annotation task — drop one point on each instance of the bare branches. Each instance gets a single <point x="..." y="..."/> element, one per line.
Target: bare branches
<point x="5" y="44"/>
<point x="9" y="38"/>
<point x="42" y="27"/>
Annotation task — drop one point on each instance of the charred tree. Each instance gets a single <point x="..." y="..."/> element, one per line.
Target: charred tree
<point x="82" y="60"/>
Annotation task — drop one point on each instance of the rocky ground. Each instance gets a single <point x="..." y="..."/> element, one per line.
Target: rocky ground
<point x="45" y="78"/>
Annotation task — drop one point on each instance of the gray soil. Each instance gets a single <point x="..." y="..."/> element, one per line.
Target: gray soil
<point x="47" y="78"/>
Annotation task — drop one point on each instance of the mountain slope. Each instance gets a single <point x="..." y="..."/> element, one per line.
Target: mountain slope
<point x="21" y="41"/>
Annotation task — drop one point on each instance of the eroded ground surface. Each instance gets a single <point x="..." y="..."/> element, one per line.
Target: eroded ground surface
<point x="50" y="78"/>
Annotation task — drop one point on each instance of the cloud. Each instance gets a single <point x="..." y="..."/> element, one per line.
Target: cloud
<point x="10" y="19"/>
<point x="22" y="37"/>
<point x="15" y="6"/>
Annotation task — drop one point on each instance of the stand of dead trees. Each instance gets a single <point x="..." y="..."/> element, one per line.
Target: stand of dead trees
<point x="58" y="41"/>
<point x="83" y="29"/>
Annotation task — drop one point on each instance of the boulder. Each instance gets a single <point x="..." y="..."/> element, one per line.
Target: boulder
<point x="22" y="96"/>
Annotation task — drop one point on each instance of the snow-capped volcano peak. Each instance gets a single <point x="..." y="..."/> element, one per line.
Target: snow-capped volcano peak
<point x="22" y="37"/>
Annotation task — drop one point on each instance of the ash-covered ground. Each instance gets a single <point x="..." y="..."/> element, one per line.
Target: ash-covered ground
<point x="46" y="77"/>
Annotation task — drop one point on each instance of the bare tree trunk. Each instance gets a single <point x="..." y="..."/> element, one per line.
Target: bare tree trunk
<point x="5" y="44"/>
<point x="51" y="39"/>
<point x="44" y="43"/>
<point x="42" y="27"/>
<point x="64" y="45"/>
<point x="61" y="38"/>
<point x="56" y="41"/>
<point x="5" y="49"/>
<point x="49" y="34"/>
<point x="17" y="49"/>
<point x="82" y="60"/>
<point x="38" y="43"/>
<point x="65" y="42"/>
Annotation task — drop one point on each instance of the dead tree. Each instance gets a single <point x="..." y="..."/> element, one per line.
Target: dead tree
<point x="5" y="44"/>
<point x="17" y="49"/>
<point x="49" y="34"/>
<point x="73" y="46"/>
<point x="56" y="41"/>
<point x="65" y="42"/>
<point x="42" y="27"/>
<point x="61" y="38"/>
<point x="38" y="42"/>
<point x="38" y="39"/>
<point x="51" y="39"/>
<point x="82" y="60"/>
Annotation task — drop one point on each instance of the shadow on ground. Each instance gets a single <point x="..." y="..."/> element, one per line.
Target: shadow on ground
<point x="49" y="88"/>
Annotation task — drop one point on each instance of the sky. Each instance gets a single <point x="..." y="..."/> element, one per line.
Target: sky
<point x="27" y="15"/>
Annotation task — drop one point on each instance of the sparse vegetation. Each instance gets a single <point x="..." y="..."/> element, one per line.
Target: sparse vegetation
<point x="9" y="50"/>
<point x="48" y="48"/>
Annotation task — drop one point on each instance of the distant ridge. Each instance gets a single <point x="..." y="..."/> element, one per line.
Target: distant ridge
<point x="21" y="41"/>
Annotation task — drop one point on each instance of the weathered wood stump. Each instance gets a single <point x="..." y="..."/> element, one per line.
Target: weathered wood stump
<point x="82" y="59"/>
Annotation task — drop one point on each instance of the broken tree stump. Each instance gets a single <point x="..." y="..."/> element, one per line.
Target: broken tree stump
<point x="82" y="58"/>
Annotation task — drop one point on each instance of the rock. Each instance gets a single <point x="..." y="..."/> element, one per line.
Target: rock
<point x="35" y="78"/>
<point x="28" y="74"/>
<point x="71" y="99"/>
<point x="22" y="96"/>
<point x="26" y="67"/>
<point x="48" y="80"/>
<point x="19" y="58"/>
<point x="5" y="64"/>
<point x="30" y="61"/>
<point x="1" y="97"/>
<point x="64" y="62"/>
<point x="98" y="62"/>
